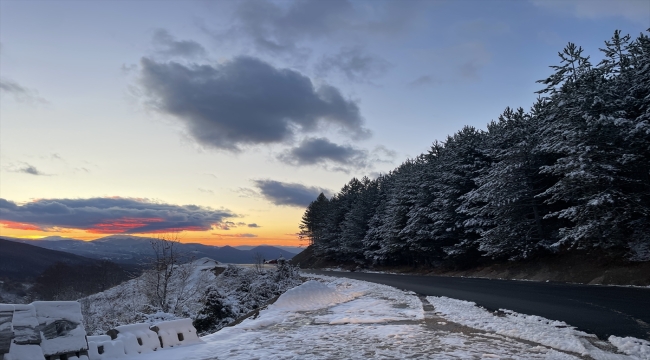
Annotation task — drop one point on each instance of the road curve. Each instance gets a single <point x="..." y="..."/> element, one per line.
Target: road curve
<point x="599" y="310"/>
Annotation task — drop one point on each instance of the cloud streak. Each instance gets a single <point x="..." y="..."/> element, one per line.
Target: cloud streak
<point x="109" y="215"/>
<point x="246" y="101"/>
<point x="26" y="168"/>
<point x="313" y="151"/>
<point x="634" y="10"/>
<point x="167" y="45"/>
<point x="279" y="29"/>
<point x="20" y="93"/>
<point x="288" y="194"/>
<point x="355" y="63"/>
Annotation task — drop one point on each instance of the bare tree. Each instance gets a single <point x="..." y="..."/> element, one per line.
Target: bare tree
<point x="258" y="261"/>
<point x="164" y="264"/>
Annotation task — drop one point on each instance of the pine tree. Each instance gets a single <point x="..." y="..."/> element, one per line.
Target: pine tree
<point x="355" y="225"/>
<point x="504" y="209"/>
<point x="314" y="221"/>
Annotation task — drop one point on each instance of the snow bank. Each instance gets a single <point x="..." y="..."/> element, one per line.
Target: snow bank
<point x="311" y="295"/>
<point x="176" y="332"/>
<point x="137" y="338"/>
<point x="555" y="334"/>
<point x="60" y="324"/>
<point x="631" y="346"/>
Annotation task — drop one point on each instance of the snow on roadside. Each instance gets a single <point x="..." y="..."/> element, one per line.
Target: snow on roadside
<point x="340" y="318"/>
<point x="553" y="333"/>
<point x="631" y="346"/>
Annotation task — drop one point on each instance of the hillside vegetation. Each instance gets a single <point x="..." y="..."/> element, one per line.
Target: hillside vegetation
<point x="569" y="176"/>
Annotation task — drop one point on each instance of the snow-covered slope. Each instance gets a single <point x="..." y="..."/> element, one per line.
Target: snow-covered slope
<point x="338" y="318"/>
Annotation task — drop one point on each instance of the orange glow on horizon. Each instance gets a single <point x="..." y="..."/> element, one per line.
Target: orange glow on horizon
<point x="31" y="232"/>
<point x="122" y="225"/>
<point x="19" y="226"/>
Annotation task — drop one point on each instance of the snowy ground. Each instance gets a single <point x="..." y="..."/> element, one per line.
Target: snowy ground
<point x="337" y="318"/>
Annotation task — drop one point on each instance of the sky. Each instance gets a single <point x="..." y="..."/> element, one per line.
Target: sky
<point x="220" y="121"/>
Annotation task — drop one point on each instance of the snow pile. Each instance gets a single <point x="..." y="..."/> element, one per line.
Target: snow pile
<point x="137" y="338"/>
<point x="632" y="346"/>
<point x="176" y="332"/>
<point x="61" y="327"/>
<point x="311" y="295"/>
<point x="556" y="334"/>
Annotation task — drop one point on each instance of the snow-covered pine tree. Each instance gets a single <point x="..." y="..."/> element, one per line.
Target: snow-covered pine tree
<point x="355" y="224"/>
<point x="383" y="241"/>
<point x="314" y="221"/>
<point x="419" y="228"/>
<point x="503" y="209"/>
<point x="584" y="126"/>
<point x="461" y="161"/>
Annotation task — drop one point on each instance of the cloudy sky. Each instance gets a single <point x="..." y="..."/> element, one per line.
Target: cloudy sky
<point x="222" y="120"/>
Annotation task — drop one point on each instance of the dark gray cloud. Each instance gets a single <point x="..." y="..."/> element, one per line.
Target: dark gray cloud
<point x="312" y="151"/>
<point x="633" y="10"/>
<point x="246" y="101"/>
<point x="20" y="93"/>
<point x="353" y="62"/>
<point x="290" y="194"/>
<point x="424" y="80"/>
<point x="245" y="235"/>
<point x="278" y="28"/>
<point x="167" y="45"/>
<point x="29" y="169"/>
<point x="110" y="215"/>
<point x="253" y="225"/>
<point x="25" y="168"/>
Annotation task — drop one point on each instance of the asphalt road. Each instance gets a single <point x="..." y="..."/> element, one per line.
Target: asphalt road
<point x="599" y="310"/>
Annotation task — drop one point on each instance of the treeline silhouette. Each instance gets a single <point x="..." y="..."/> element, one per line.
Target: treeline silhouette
<point x="571" y="174"/>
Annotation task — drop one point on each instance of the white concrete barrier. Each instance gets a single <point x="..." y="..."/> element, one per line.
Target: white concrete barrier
<point x="6" y="329"/>
<point x="137" y="338"/>
<point x="101" y="347"/>
<point x="26" y="335"/>
<point x="176" y="332"/>
<point x="61" y="328"/>
<point x="25" y="323"/>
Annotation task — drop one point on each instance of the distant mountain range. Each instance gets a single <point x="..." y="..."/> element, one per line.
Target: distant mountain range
<point x="125" y="249"/>
<point x="291" y="249"/>
<point x="23" y="261"/>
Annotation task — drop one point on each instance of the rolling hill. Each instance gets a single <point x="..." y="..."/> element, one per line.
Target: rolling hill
<point x="133" y="250"/>
<point x="20" y="261"/>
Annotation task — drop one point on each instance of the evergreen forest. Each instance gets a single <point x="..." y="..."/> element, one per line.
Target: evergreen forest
<point x="570" y="174"/>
